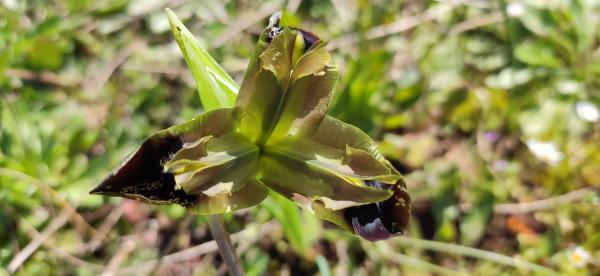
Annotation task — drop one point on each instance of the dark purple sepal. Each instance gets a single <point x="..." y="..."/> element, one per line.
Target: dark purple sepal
<point x="143" y="178"/>
<point x="309" y="39"/>
<point x="380" y="220"/>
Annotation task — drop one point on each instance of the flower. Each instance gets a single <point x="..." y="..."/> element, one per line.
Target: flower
<point x="277" y="137"/>
<point x="579" y="257"/>
<point x="545" y="151"/>
<point x="515" y="9"/>
<point x="587" y="111"/>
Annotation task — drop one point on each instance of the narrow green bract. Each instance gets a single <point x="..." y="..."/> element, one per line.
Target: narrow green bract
<point x="276" y="136"/>
<point x="216" y="88"/>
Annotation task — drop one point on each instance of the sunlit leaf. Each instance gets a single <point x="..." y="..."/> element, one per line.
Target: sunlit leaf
<point x="308" y="100"/>
<point x="216" y="88"/>
<point x="297" y="180"/>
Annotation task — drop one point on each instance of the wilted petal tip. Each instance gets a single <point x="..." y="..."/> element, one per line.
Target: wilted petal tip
<point x="380" y="220"/>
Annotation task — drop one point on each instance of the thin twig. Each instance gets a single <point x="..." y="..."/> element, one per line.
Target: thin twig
<point x="34" y="234"/>
<point x="177" y="257"/>
<point x="193" y="252"/>
<point x="94" y="83"/>
<point x="173" y="239"/>
<point x="56" y="197"/>
<point x="475" y="253"/>
<point x="384" y="251"/>
<point x="419" y="264"/>
<point x="56" y="224"/>
<point x="217" y="229"/>
<point x="96" y="240"/>
<point x="477" y="22"/>
<point x="398" y="26"/>
<point x="544" y="204"/>
<point x="46" y="77"/>
<point x="244" y="22"/>
<point x="120" y="256"/>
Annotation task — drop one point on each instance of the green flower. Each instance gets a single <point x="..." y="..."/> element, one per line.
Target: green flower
<point x="277" y="137"/>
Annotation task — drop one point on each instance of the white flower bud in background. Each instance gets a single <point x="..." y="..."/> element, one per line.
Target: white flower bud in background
<point x="545" y="151"/>
<point x="515" y="9"/>
<point x="579" y="257"/>
<point x="587" y="111"/>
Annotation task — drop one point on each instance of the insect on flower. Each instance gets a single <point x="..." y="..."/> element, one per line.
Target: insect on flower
<point x="277" y="137"/>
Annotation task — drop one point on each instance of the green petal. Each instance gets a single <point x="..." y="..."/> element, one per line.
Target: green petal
<point x="260" y="105"/>
<point x="213" y="123"/>
<point x="333" y="133"/>
<point x="214" y="165"/>
<point x="374" y="221"/>
<point x="263" y="88"/>
<point x="351" y="163"/>
<point x="296" y="179"/>
<point x="330" y="156"/>
<point x="307" y="102"/>
<point x="216" y="88"/>
<point x="252" y="193"/>
<point x="247" y="90"/>
<point x="279" y="75"/>
<point x="312" y="61"/>
<point x="277" y="57"/>
<point x="339" y="147"/>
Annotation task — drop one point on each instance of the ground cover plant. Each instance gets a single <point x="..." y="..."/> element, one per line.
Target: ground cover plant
<point x="489" y="109"/>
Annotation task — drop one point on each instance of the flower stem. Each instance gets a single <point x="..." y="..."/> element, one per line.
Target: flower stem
<point x="221" y="236"/>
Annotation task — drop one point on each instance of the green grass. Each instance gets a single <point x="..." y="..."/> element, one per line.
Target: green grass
<point x="476" y="106"/>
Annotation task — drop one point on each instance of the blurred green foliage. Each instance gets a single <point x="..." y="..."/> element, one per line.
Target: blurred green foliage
<point x="480" y="104"/>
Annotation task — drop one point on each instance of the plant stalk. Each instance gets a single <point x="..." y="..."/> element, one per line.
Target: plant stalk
<point x="221" y="236"/>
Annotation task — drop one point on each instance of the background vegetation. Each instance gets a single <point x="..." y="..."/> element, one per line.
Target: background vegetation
<point x="489" y="108"/>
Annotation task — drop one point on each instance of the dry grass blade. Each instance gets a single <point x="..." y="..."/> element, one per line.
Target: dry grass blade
<point x="56" y="197"/>
<point x="543" y="204"/>
<point x="56" y="224"/>
<point x="477" y="22"/>
<point x="538" y="205"/>
<point x="475" y="253"/>
<point x="120" y="256"/>
<point x="94" y="83"/>
<point x="34" y="234"/>
<point x="196" y="251"/>
<point x="384" y="251"/>
<point x="43" y="77"/>
<point x="112" y="218"/>
<point x="245" y="22"/>
<point x="398" y="26"/>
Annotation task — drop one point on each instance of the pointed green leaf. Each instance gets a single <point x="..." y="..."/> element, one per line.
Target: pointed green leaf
<point x="216" y="88"/>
